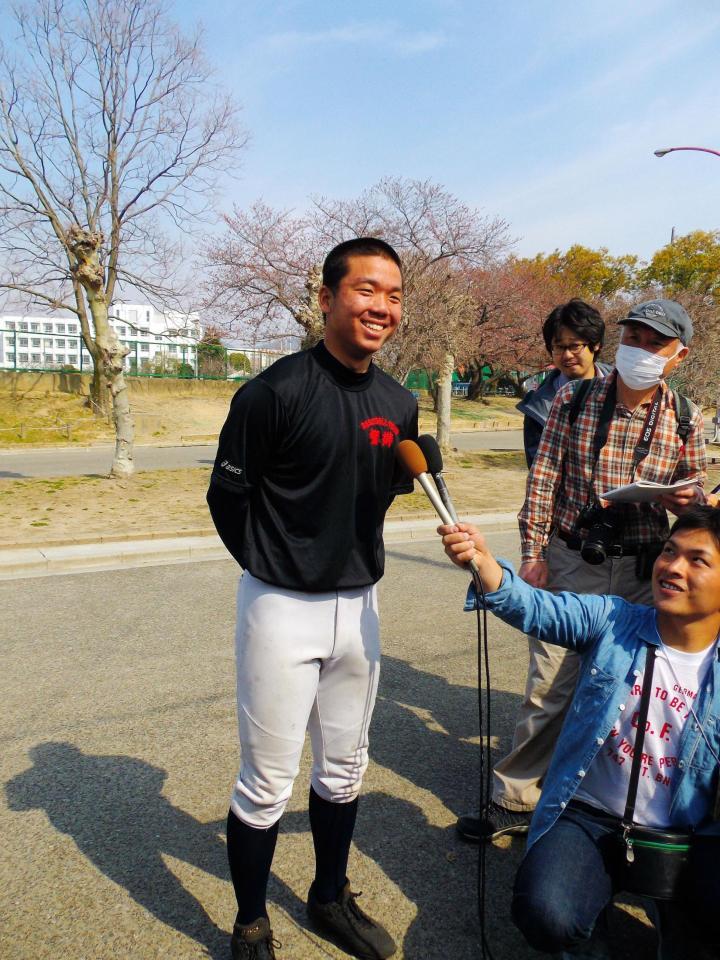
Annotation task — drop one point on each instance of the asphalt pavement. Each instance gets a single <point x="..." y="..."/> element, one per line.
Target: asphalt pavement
<point x="97" y="460"/>
<point x="119" y="749"/>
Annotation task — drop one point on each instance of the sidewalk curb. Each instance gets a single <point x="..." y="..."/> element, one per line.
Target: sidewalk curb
<point x="24" y="562"/>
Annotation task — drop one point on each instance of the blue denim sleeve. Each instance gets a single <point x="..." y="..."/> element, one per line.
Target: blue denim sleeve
<point x="568" y="619"/>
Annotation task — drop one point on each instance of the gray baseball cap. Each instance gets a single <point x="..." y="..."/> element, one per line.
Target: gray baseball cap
<point x="666" y="316"/>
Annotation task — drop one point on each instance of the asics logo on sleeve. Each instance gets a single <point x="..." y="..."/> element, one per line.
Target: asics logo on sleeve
<point x="380" y="432"/>
<point x="231" y="468"/>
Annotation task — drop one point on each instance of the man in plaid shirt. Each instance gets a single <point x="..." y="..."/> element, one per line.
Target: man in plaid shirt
<point x="565" y="479"/>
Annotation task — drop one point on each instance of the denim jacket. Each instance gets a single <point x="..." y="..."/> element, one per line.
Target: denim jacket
<point x="610" y="635"/>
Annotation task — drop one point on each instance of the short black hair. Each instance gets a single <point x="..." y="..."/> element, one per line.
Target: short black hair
<point x="336" y="262"/>
<point x="699" y="518"/>
<point x="580" y="317"/>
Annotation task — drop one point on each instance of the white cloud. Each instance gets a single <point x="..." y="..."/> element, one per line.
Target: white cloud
<point x="389" y="35"/>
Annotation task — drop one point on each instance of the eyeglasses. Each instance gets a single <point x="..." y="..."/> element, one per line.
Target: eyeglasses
<point x="574" y="348"/>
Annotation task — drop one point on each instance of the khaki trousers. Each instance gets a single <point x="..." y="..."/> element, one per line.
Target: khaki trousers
<point x="552" y="673"/>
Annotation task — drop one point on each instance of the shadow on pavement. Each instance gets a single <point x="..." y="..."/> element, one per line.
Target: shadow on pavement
<point x="113" y="809"/>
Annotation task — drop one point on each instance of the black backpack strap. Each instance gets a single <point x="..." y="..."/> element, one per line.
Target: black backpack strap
<point x="683" y="415"/>
<point x="581" y="388"/>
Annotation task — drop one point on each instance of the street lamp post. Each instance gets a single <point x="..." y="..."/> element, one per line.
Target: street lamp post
<point x="665" y="150"/>
<point x="716" y="153"/>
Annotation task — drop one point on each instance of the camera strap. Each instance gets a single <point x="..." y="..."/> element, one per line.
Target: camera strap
<point x="642" y="448"/>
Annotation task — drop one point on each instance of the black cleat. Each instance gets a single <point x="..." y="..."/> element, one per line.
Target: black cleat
<point x="343" y="922"/>
<point x="254" y="941"/>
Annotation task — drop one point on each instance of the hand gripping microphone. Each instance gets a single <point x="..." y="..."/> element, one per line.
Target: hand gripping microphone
<point x="429" y="446"/>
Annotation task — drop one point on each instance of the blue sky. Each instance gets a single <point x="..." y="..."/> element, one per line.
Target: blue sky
<point x="544" y="113"/>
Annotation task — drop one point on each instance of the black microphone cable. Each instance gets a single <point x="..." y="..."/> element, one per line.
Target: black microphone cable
<point x="485" y="778"/>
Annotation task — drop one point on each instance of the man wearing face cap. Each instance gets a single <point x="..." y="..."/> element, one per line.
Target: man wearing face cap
<point x="630" y="426"/>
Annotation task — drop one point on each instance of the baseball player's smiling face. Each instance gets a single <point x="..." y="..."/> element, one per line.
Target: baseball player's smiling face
<point x="363" y="312"/>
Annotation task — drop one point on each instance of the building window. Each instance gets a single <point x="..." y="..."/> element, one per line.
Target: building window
<point x="48" y="359"/>
<point x="47" y="327"/>
<point x="36" y="341"/>
<point x="144" y="347"/>
<point x="172" y="348"/>
<point x="23" y="358"/>
<point x="10" y="324"/>
<point x="122" y="331"/>
<point x="60" y="358"/>
<point x="23" y="341"/>
<point x="23" y="326"/>
<point x="158" y="339"/>
<point x="60" y="343"/>
<point x="35" y="327"/>
<point x="72" y="359"/>
<point x="72" y="328"/>
<point x="34" y="358"/>
<point x="11" y="356"/>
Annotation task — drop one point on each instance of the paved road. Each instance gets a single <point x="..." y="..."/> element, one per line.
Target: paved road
<point x="66" y="461"/>
<point x="118" y="736"/>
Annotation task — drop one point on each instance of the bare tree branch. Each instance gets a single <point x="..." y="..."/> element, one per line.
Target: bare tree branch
<point x="110" y="131"/>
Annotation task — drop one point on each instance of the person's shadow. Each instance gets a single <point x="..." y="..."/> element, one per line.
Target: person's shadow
<point x="113" y="809"/>
<point x="425" y="728"/>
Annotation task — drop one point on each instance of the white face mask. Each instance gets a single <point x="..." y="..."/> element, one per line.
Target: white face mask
<point x="639" y="368"/>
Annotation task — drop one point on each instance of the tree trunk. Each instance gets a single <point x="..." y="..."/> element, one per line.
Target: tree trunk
<point x="432" y="387"/>
<point x="99" y="401"/>
<point x="716" y="421"/>
<point x="444" y="402"/>
<point x="109" y="353"/>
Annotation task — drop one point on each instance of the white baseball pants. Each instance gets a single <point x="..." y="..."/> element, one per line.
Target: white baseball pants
<point x="304" y="661"/>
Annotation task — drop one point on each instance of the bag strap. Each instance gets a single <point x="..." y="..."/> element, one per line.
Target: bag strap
<point x="640" y="735"/>
<point x="683" y="415"/>
<point x="580" y="392"/>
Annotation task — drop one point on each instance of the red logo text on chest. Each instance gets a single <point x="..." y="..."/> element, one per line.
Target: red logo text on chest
<point x="380" y="432"/>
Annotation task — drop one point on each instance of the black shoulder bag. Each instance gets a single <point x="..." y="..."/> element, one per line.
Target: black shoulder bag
<point x="652" y="861"/>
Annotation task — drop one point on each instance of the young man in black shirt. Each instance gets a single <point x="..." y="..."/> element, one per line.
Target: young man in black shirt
<point x="303" y="478"/>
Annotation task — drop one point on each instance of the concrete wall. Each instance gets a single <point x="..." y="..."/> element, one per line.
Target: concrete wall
<point x="26" y="383"/>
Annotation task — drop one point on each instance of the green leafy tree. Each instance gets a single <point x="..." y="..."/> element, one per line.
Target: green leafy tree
<point x="589" y="274"/>
<point x="689" y="263"/>
<point x="239" y="362"/>
<point x="212" y="356"/>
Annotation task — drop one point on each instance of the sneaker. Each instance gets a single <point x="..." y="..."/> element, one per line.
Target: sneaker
<point x="254" y="941"/>
<point x="343" y="922"/>
<point x="496" y="821"/>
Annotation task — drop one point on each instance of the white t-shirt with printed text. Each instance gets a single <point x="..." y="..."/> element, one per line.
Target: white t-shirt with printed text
<point x="677" y="678"/>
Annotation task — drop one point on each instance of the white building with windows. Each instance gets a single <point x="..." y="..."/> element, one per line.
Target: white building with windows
<point x="157" y="342"/>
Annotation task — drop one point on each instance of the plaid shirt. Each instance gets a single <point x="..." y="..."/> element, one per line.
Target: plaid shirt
<point x="562" y="480"/>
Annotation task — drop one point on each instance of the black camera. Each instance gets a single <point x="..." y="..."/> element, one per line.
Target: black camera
<point x="604" y="537"/>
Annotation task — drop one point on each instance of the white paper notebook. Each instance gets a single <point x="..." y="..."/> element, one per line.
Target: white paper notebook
<point x="645" y="491"/>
